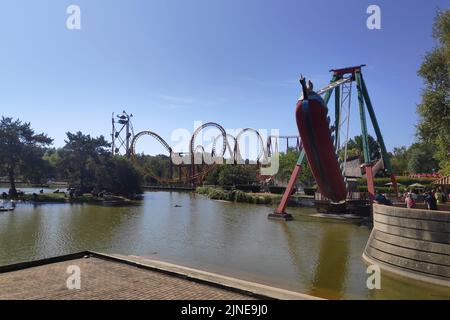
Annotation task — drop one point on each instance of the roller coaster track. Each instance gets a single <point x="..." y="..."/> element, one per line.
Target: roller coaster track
<point x="231" y="150"/>
<point x="151" y="134"/>
<point x="198" y="170"/>
<point x="260" y="140"/>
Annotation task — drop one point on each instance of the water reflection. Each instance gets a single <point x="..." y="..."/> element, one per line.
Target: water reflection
<point x="331" y="271"/>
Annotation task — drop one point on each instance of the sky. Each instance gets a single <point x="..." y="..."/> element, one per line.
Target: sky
<point x="172" y="63"/>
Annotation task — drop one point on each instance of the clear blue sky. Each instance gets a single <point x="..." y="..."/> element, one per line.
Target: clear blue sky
<point x="235" y="62"/>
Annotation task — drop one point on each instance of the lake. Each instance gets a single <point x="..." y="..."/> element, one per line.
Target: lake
<point x="314" y="255"/>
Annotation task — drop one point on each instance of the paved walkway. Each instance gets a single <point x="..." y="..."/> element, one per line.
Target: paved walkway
<point x="103" y="279"/>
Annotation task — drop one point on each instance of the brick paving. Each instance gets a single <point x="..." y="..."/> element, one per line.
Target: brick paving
<point x="105" y="280"/>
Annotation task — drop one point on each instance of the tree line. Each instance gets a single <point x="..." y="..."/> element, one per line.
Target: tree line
<point x="84" y="161"/>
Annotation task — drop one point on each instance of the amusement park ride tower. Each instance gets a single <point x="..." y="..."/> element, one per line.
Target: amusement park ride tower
<point x="122" y="133"/>
<point x="320" y="141"/>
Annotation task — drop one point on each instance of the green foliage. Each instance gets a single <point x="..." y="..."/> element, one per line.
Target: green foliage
<point x="287" y="164"/>
<point x="399" y="160"/>
<point x="241" y="196"/>
<point x="405" y="181"/>
<point x="421" y="158"/>
<point x="21" y="149"/>
<point x="231" y="175"/>
<point x="217" y="194"/>
<point x="351" y="152"/>
<point x="356" y="147"/>
<point x="418" y="158"/>
<point x="213" y="176"/>
<point x="154" y="166"/>
<point x="203" y="190"/>
<point x="434" y="109"/>
<point x="80" y="157"/>
<point x="236" y="195"/>
<point x="47" y="197"/>
<point x="90" y="167"/>
<point x="118" y="176"/>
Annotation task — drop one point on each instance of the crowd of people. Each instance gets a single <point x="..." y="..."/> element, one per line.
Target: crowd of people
<point x="432" y="198"/>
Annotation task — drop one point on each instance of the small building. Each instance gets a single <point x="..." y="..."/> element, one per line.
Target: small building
<point x="352" y="172"/>
<point x="444" y="183"/>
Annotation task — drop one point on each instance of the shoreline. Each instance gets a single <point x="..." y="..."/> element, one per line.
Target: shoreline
<point x="62" y="198"/>
<point x="220" y="194"/>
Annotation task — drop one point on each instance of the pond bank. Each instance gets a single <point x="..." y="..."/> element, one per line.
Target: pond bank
<point x="253" y="198"/>
<point x="61" y="197"/>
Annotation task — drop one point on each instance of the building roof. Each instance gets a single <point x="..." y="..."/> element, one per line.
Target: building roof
<point x="443" y="181"/>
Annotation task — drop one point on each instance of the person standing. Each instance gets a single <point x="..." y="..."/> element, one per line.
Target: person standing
<point x="438" y="195"/>
<point x="430" y="201"/>
<point x="410" y="202"/>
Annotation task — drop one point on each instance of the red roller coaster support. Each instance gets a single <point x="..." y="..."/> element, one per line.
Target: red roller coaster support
<point x="280" y="211"/>
<point x="394" y="184"/>
<point x="370" y="185"/>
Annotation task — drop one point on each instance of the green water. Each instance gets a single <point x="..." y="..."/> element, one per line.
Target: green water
<point x="312" y="255"/>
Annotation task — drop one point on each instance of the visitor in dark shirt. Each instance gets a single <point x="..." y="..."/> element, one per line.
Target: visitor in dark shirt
<point x="381" y="199"/>
<point x="431" y="201"/>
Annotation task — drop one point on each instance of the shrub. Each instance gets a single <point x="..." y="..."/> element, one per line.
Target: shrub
<point x="217" y="194"/>
<point x="241" y="196"/>
<point x="203" y="190"/>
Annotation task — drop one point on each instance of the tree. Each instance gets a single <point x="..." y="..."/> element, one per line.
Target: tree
<point x="39" y="170"/>
<point x="153" y="167"/>
<point x="79" y="157"/>
<point x="52" y="158"/>
<point x="117" y="175"/>
<point x="434" y="110"/>
<point x="399" y="160"/>
<point x="420" y="159"/>
<point x="351" y="152"/>
<point x="287" y="164"/>
<point x="236" y="174"/>
<point x="357" y="144"/>
<point x="20" y="148"/>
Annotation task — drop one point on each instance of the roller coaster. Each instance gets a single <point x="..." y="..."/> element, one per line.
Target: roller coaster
<point x="196" y="164"/>
<point x="319" y="141"/>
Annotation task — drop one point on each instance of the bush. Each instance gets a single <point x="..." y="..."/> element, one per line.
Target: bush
<point x="382" y="189"/>
<point x="241" y="196"/>
<point x="405" y="181"/>
<point x="234" y="195"/>
<point x="203" y="190"/>
<point x="217" y="194"/>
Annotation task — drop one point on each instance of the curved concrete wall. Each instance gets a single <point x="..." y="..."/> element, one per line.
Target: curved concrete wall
<point x="411" y="242"/>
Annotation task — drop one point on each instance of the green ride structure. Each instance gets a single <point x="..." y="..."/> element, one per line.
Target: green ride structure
<point x="321" y="138"/>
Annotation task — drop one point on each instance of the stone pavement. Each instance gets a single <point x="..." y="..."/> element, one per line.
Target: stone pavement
<point x="104" y="279"/>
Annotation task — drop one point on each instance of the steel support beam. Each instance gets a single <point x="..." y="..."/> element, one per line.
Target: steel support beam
<point x="328" y="93"/>
<point x="376" y="127"/>
<point x="362" y="114"/>
<point x="337" y="115"/>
